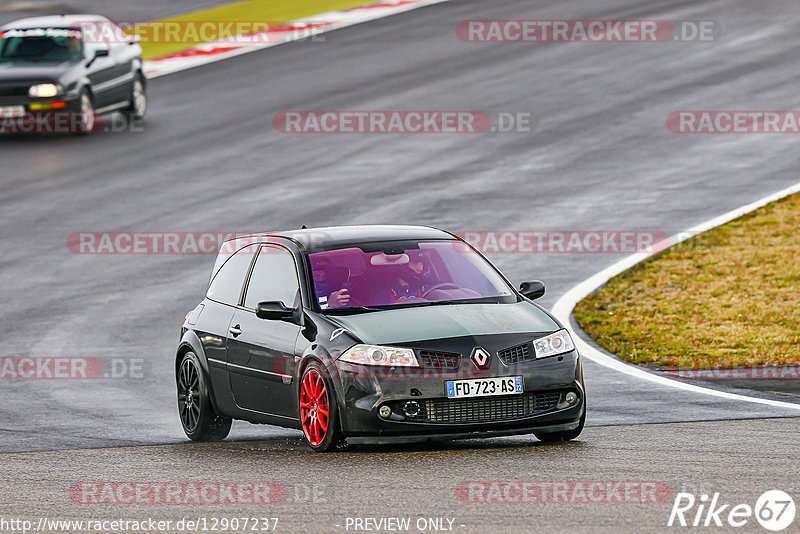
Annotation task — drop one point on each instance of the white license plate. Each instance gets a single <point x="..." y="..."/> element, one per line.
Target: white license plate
<point x="11" y="112"/>
<point x="483" y="387"/>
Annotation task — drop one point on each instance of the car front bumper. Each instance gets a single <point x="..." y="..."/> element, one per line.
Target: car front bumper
<point x="37" y="117"/>
<point x="542" y="407"/>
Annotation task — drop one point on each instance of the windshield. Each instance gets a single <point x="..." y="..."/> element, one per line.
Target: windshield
<point x="404" y="274"/>
<point x="40" y="44"/>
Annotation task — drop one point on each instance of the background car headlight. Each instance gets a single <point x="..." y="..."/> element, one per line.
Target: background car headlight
<point x="378" y="355"/>
<point x="44" y="90"/>
<point x="554" y="344"/>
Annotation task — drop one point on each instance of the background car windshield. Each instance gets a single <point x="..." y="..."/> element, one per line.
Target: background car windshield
<point x="40" y="45"/>
<point x="407" y="273"/>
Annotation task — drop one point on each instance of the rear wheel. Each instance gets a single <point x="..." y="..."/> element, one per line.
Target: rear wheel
<point x="198" y="419"/>
<point x="319" y="415"/>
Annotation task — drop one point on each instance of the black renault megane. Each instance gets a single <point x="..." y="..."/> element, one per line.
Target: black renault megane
<point x="373" y="334"/>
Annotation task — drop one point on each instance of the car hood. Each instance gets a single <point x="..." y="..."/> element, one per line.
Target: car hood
<point x="405" y="325"/>
<point x="33" y="72"/>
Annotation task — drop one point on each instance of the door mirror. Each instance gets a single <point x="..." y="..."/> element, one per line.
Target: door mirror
<point x="100" y="52"/>
<point x="532" y="290"/>
<point x="276" y="311"/>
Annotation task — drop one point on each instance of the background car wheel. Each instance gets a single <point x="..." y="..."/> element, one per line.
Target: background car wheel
<point x="138" y="102"/>
<point x="198" y="419"/>
<point x="553" y="437"/>
<point x="319" y="415"/>
<point x="88" y="119"/>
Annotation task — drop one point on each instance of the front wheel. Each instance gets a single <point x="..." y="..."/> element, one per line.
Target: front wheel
<point x="138" y="99"/>
<point x="319" y="415"/>
<point x="87" y="119"/>
<point x="198" y="419"/>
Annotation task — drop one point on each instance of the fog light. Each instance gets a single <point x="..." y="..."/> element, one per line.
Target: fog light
<point x="411" y="409"/>
<point x="571" y="398"/>
<point x="385" y="412"/>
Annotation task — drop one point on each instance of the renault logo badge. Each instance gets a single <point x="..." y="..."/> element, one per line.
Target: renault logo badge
<point x="480" y="358"/>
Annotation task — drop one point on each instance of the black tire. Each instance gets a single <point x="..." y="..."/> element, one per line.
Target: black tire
<point x="138" y="99"/>
<point x="195" y="411"/>
<point x="332" y="439"/>
<point x="88" y="122"/>
<point x="555" y="437"/>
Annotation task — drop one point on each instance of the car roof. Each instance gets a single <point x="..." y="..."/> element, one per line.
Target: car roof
<point x="52" y="21"/>
<point x="328" y="237"/>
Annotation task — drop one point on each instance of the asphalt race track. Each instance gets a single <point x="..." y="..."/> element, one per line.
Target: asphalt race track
<point x="600" y="158"/>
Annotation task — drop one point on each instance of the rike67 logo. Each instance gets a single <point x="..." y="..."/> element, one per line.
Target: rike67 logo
<point x="774" y="510"/>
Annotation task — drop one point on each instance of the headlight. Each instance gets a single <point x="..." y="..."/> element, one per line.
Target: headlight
<point x="554" y="344"/>
<point x="377" y="355"/>
<point x="44" y="90"/>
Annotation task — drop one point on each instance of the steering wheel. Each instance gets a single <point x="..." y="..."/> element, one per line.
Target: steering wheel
<point x="346" y="285"/>
<point x="443" y="285"/>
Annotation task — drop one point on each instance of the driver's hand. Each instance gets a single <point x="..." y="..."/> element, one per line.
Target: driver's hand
<point x="339" y="299"/>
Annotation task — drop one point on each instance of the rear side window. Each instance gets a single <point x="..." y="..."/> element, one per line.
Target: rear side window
<point x="274" y="278"/>
<point x="226" y="287"/>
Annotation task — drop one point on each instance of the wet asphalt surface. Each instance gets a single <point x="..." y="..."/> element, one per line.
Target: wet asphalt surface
<point x="208" y="159"/>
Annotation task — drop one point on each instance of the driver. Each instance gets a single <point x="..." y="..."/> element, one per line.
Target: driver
<point x="328" y="282"/>
<point x="74" y="46"/>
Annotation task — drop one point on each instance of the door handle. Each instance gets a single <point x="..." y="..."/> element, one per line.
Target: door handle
<point x="236" y="330"/>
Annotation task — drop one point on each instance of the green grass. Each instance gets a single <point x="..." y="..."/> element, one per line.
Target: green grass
<point x="726" y="298"/>
<point x="273" y="12"/>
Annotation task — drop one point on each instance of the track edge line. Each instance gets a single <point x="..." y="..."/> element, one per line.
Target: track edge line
<point x="564" y="307"/>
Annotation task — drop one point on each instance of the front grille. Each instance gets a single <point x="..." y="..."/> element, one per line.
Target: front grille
<point x="14" y="91"/>
<point x="489" y="409"/>
<point x="439" y="360"/>
<point x="520" y="353"/>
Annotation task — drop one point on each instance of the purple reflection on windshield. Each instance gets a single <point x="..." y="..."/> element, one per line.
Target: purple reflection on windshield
<point x="383" y="275"/>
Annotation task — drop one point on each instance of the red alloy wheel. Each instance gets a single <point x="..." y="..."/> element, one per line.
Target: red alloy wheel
<point x="314" y="408"/>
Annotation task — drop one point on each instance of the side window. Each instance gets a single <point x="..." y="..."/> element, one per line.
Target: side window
<point x="274" y="278"/>
<point x="226" y="287"/>
<point x="92" y="43"/>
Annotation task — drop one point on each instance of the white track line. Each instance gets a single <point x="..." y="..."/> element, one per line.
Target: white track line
<point x="566" y="304"/>
<point x="333" y="20"/>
